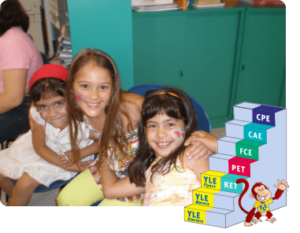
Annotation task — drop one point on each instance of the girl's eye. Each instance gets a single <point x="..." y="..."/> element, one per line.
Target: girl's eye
<point x="151" y="126"/>
<point x="171" y="124"/>
<point x="59" y="103"/>
<point x="84" y="86"/>
<point x="41" y="107"/>
<point x="103" y="87"/>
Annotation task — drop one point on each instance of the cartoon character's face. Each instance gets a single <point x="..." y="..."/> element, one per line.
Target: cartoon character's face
<point x="164" y="134"/>
<point x="92" y="89"/>
<point x="262" y="194"/>
<point x="53" y="111"/>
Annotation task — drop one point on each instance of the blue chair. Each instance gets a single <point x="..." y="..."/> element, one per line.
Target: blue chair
<point x="203" y="120"/>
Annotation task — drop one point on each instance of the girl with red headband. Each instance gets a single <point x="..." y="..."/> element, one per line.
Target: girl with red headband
<point x="33" y="159"/>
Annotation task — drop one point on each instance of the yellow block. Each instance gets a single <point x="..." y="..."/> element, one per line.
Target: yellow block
<point x="195" y="213"/>
<point x="212" y="179"/>
<point x="204" y="196"/>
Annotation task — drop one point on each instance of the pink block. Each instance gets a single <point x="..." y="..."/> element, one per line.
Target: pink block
<point x="240" y="166"/>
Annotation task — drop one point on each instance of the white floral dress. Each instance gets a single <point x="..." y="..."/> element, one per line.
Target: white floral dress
<point x="20" y="157"/>
<point x="173" y="189"/>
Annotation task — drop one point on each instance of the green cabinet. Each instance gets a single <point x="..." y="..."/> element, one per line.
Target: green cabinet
<point x="219" y="56"/>
<point x="210" y="59"/>
<point x="262" y="69"/>
<point x="159" y="40"/>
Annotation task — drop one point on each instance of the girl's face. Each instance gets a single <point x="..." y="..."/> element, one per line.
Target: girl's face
<point x="54" y="111"/>
<point x="164" y="134"/>
<point x="92" y="89"/>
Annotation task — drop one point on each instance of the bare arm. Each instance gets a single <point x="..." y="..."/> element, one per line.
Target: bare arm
<point x="14" y="83"/>
<point x="133" y="106"/>
<point x="201" y="144"/>
<point x="115" y="188"/>
<point x="40" y="147"/>
<point x="89" y="150"/>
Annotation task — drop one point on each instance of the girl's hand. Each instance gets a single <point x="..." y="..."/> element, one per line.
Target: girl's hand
<point x="208" y="145"/>
<point x="79" y="166"/>
<point x="68" y="160"/>
<point x="197" y="150"/>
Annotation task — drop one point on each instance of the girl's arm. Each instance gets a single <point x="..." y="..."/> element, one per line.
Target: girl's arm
<point x="113" y="188"/>
<point x="14" y="82"/>
<point x="89" y="150"/>
<point x="201" y="144"/>
<point x="40" y="147"/>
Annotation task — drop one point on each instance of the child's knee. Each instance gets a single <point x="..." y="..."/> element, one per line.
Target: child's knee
<point x="2" y="177"/>
<point x="26" y="185"/>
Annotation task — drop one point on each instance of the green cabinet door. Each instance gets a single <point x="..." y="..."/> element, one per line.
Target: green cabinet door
<point x="212" y="44"/>
<point x="159" y="40"/>
<point x="262" y="69"/>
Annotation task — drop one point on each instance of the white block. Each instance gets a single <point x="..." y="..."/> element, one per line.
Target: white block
<point x="243" y="111"/>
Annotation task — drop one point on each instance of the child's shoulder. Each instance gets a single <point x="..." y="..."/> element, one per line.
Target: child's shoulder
<point x="132" y="99"/>
<point x="197" y="166"/>
<point x="132" y="105"/>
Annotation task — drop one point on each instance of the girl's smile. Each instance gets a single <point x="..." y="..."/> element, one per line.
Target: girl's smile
<point x="92" y="87"/>
<point x="164" y="134"/>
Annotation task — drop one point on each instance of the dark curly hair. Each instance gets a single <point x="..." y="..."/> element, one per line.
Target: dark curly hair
<point x="12" y="14"/>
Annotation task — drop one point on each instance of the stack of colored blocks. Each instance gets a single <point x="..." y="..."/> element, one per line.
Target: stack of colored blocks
<point x="254" y="149"/>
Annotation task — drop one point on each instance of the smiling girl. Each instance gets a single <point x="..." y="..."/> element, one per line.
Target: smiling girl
<point x="95" y="97"/>
<point x="33" y="159"/>
<point x="160" y="169"/>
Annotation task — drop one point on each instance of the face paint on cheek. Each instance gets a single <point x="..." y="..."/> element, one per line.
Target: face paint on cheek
<point x="178" y="134"/>
<point x="66" y="110"/>
<point x="79" y="96"/>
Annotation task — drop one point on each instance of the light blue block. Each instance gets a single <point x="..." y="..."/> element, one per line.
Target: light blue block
<point x="226" y="145"/>
<point x="219" y="162"/>
<point x="235" y="128"/>
<point x="243" y="111"/>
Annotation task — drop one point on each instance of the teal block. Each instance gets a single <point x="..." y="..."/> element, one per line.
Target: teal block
<point x="228" y="183"/>
<point x="256" y="132"/>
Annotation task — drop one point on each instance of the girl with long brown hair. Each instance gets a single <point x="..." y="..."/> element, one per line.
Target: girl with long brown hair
<point x="94" y="96"/>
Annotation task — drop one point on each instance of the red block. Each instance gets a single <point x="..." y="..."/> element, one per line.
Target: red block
<point x="240" y="166"/>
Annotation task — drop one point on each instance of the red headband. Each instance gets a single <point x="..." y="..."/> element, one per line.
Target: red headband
<point x="49" y="71"/>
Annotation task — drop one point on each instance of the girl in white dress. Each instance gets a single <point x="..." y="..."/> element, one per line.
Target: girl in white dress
<point x="34" y="158"/>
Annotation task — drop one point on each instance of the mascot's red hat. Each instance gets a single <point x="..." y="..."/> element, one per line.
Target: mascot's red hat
<point x="49" y="71"/>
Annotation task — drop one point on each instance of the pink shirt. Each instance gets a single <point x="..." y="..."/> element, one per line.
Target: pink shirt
<point x="17" y="51"/>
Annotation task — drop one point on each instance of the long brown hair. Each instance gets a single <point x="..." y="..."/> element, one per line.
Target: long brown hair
<point x="113" y="130"/>
<point x="12" y="14"/>
<point x="177" y="106"/>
